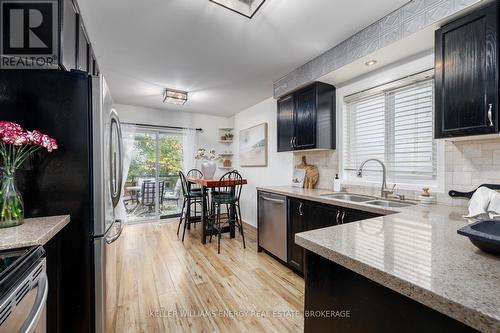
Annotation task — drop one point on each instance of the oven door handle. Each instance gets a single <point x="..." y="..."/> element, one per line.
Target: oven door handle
<point x="41" y="297"/>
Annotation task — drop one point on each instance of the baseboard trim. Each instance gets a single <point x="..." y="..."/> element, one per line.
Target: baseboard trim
<point x="248" y="225"/>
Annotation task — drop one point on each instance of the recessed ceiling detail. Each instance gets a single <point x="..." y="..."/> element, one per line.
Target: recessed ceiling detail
<point x="247" y="8"/>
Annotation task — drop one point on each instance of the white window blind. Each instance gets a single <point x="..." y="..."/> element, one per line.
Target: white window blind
<point x="392" y="123"/>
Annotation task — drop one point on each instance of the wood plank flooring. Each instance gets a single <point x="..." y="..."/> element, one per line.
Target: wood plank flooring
<point x="165" y="285"/>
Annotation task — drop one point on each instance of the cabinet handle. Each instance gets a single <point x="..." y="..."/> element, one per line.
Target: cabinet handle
<point x="300" y="209"/>
<point x="291" y="142"/>
<point x="294" y="139"/>
<point x="490" y="114"/>
<point x="338" y="217"/>
<point x="343" y="217"/>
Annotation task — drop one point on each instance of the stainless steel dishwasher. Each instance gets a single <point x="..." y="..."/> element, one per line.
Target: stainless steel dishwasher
<point x="273" y="224"/>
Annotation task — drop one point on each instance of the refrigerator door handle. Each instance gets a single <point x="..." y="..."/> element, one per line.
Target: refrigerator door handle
<point x="116" y="182"/>
<point x="111" y="239"/>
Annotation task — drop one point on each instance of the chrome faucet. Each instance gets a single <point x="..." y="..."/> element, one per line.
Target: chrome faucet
<point x="384" y="191"/>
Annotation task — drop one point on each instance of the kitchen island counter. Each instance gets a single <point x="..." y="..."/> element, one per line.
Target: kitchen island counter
<point x="414" y="251"/>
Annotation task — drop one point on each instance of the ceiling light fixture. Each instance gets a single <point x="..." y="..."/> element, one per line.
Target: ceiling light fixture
<point x="247" y="8"/>
<point x="371" y="62"/>
<point x="176" y="97"/>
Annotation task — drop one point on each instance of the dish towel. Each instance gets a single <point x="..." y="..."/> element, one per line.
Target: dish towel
<point x="484" y="202"/>
<point x="494" y="206"/>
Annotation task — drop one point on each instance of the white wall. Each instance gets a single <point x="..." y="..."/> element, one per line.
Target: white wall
<point x="209" y="138"/>
<point x="280" y="165"/>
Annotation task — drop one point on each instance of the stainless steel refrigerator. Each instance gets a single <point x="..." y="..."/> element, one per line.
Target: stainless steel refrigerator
<point x="82" y="178"/>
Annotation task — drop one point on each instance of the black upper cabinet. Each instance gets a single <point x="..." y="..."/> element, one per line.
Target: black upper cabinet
<point x="83" y="49"/>
<point x="285" y="123"/>
<point x="75" y="49"/>
<point x="466" y="72"/>
<point x="306" y="118"/>
<point x="69" y="31"/>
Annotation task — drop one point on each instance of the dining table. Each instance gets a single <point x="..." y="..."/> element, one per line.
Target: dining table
<point x="205" y="185"/>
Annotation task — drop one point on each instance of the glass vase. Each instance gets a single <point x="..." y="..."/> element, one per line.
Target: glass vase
<point x="11" y="203"/>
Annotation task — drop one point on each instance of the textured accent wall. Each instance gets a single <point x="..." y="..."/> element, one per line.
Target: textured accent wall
<point x="407" y="20"/>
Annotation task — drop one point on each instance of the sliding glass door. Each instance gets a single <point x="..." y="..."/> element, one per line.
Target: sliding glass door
<point x="152" y="189"/>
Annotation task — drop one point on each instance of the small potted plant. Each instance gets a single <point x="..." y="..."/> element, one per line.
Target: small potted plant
<point x="209" y="165"/>
<point x="16" y="145"/>
<point x="228" y="136"/>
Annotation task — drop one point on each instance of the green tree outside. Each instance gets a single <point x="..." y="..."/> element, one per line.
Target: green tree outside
<point x="144" y="162"/>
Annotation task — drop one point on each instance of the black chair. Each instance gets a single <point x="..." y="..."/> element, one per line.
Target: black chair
<point x="196" y="174"/>
<point x="148" y="193"/>
<point x="229" y="196"/>
<point x="190" y="198"/>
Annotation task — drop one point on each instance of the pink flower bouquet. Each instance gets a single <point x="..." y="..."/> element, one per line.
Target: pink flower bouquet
<point x="16" y="145"/>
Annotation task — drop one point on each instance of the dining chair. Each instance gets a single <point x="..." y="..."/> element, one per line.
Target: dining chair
<point x="196" y="174"/>
<point x="190" y="198"/>
<point x="148" y="193"/>
<point x="228" y="196"/>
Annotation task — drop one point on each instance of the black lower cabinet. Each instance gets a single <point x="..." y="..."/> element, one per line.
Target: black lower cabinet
<point x="297" y="222"/>
<point x="306" y="215"/>
<point x="353" y="215"/>
<point x="303" y="216"/>
<point x="53" y="268"/>
<point x="340" y="300"/>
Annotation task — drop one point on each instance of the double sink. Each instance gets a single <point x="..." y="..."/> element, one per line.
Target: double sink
<point x="366" y="199"/>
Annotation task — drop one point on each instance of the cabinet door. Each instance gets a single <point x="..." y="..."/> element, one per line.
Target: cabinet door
<point x="68" y="36"/>
<point x="353" y="215"/>
<point x="305" y="119"/>
<point x="321" y="216"/>
<point x="285" y="124"/>
<point x="297" y="212"/>
<point x="467" y="75"/>
<point x="83" y="49"/>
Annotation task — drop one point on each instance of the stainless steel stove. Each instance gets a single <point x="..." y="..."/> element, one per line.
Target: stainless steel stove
<point x="23" y="290"/>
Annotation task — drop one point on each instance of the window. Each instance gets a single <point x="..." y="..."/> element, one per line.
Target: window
<point x="392" y="123"/>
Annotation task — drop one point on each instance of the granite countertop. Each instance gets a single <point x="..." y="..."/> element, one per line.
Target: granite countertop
<point x="34" y="231"/>
<point x="415" y="251"/>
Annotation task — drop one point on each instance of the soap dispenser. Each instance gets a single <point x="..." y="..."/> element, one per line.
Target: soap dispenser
<point x="336" y="183"/>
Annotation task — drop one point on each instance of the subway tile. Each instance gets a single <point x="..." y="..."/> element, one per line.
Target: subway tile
<point x="462" y="178"/>
<point x="473" y="150"/>
<point x="496" y="157"/>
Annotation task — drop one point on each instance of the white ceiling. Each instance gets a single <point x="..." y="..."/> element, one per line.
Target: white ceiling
<point x="225" y="61"/>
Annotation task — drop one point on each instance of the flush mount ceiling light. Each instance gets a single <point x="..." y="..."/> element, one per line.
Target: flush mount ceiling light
<point x="247" y="8"/>
<point x="370" y="62"/>
<point x="175" y="96"/>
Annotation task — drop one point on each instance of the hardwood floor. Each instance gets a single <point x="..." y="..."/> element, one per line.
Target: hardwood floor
<point x="165" y="285"/>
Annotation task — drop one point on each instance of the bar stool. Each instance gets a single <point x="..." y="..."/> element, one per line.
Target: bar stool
<point x="230" y="197"/>
<point x="190" y="198"/>
<point x="195" y="174"/>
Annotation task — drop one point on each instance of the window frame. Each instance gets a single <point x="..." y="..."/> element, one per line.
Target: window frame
<point x="358" y="88"/>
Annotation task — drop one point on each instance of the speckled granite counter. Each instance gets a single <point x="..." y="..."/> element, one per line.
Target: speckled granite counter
<point x="34" y="231"/>
<point x="415" y="251"/>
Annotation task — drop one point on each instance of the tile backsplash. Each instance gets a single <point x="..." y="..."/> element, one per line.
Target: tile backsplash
<point x="468" y="164"/>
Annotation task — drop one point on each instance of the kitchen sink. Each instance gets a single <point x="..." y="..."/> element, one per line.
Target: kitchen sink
<point x="388" y="203"/>
<point x="348" y="197"/>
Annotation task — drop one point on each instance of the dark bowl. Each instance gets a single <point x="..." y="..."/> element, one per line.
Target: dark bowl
<point x="484" y="234"/>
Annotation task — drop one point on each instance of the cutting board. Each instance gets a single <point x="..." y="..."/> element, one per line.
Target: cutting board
<point x="312" y="173"/>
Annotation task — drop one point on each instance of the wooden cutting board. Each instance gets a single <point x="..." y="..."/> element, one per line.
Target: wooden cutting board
<point x="312" y="173"/>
